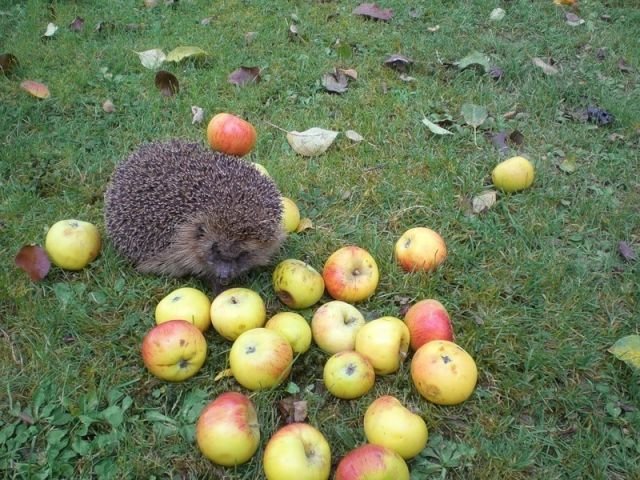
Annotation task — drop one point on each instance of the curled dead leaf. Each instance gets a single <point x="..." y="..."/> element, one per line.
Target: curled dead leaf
<point x="167" y="83"/>
<point x="398" y="62"/>
<point x="483" y="202"/>
<point x="371" y="10"/>
<point x="198" y="115"/>
<point x="311" y="142"/>
<point x="293" y="410"/>
<point x="547" y="68"/>
<point x="244" y="75"/>
<point x="152" y="59"/>
<point x="336" y="81"/>
<point x="7" y="62"/>
<point x="304" y="224"/>
<point x="33" y="260"/>
<point x="36" y="89"/>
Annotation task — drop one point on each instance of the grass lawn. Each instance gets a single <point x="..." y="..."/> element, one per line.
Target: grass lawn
<point x="535" y="285"/>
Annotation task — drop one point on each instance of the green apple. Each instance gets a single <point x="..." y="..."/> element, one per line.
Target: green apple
<point x="260" y="359"/>
<point x="227" y="431"/>
<point x="72" y="244"/>
<point x="236" y="310"/>
<point x="297" y="451"/>
<point x="513" y="174"/>
<point x="297" y="284"/>
<point x="348" y="375"/>
<point x="384" y="342"/>
<point x="334" y="326"/>
<point x="185" y="303"/>
<point x="174" y="350"/>
<point x="389" y="423"/>
<point x="290" y="215"/>
<point x="294" y="328"/>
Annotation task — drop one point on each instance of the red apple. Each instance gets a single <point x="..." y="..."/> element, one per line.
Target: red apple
<point x="350" y="274"/>
<point x="230" y="134"/>
<point x="227" y="432"/>
<point x="372" y="462"/>
<point x="428" y="320"/>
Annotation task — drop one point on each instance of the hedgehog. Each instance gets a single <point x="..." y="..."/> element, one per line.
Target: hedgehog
<point x="177" y="208"/>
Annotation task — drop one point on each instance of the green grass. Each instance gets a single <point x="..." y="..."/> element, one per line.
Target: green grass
<point x="535" y="286"/>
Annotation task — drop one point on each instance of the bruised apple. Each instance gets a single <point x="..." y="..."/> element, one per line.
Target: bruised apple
<point x="229" y="134"/>
<point x="297" y="284"/>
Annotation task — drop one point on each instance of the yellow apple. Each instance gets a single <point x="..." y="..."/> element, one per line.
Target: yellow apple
<point x="334" y="326"/>
<point x="174" y="350"/>
<point x="261" y="168"/>
<point x="389" y="423"/>
<point x="348" y="375"/>
<point x="297" y="451"/>
<point x="515" y="173"/>
<point x="290" y="215"/>
<point x="237" y="310"/>
<point x="420" y="249"/>
<point x="384" y="342"/>
<point x="443" y="372"/>
<point x="185" y="303"/>
<point x="294" y="328"/>
<point x="372" y="462"/>
<point x="72" y="244"/>
<point x="227" y="431"/>
<point x="260" y="358"/>
<point x="297" y="284"/>
<point x="350" y="274"/>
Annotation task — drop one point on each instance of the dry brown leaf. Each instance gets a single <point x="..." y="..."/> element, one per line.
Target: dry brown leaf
<point x="223" y="374"/>
<point x="335" y="82"/>
<point x="198" y="115"/>
<point x="293" y="410"/>
<point x="483" y="202"/>
<point x="167" y="83"/>
<point x="547" y="68"/>
<point x="371" y="10"/>
<point x="7" y="62"/>
<point x="244" y="75"/>
<point x="36" y="89"/>
<point x="33" y="260"/>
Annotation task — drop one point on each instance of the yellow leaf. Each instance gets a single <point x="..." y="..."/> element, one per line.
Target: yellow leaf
<point x="565" y="2"/>
<point x="223" y="374"/>
<point x="180" y="53"/>
<point x="627" y="349"/>
<point x="305" y="224"/>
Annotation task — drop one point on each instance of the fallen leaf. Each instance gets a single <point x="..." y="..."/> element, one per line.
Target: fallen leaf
<point x="180" y="53"/>
<point x="349" y="72"/>
<point x="7" y="62"/>
<point x="335" y="82"/>
<point x="516" y="137"/>
<point x="474" y="115"/>
<point x="304" y="224"/>
<point x="36" y="89"/>
<point x="207" y="20"/>
<point x="572" y="19"/>
<point x="495" y="72"/>
<point x="623" y="66"/>
<point x="77" y="25"/>
<point x="152" y="59"/>
<point x="483" y="202"/>
<point x="398" y="62"/>
<point x="497" y="14"/>
<point x="406" y="78"/>
<point x="108" y="106"/>
<point x="568" y="164"/>
<point x="353" y="136"/>
<point x="33" y="260"/>
<point x="569" y="3"/>
<point x="435" y="128"/>
<point x="293" y="410"/>
<point x="50" y="31"/>
<point x="626" y="252"/>
<point x="614" y="137"/>
<point x="249" y="37"/>
<point x="198" y="115"/>
<point x="474" y="58"/>
<point x="311" y="142"/>
<point x="223" y="374"/>
<point x="499" y="140"/>
<point x="244" y="75"/>
<point x="433" y="29"/>
<point x="599" y="116"/>
<point x="167" y="83"/>
<point x="547" y="68"/>
<point x="627" y="349"/>
<point x="371" y="10"/>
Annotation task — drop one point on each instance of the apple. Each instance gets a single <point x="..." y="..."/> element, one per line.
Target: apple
<point x="230" y="134"/>
<point x="384" y="342"/>
<point x="185" y="303"/>
<point x="297" y="284"/>
<point x="350" y="274"/>
<point x="227" y="431"/>
<point x="420" y="249"/>
<point x="513" y="174"/>
<point x="334" y="326"/>
<point x="261" y="168"/>
<point x="443" y="372"/>
<point x="294" y="328"/>
<point x="260" y="358"/>
<point x="389" y="423"/>
<point x="297" y="451"/>
<point x="348" y="375"/>
<point x="428" y="320"/>
<point x="237" y="310"/>
<point x="174" y="350"/>
<point x="72" y="244"/>
<point x="290" y="215"/>
<point x="372" y="462"/>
